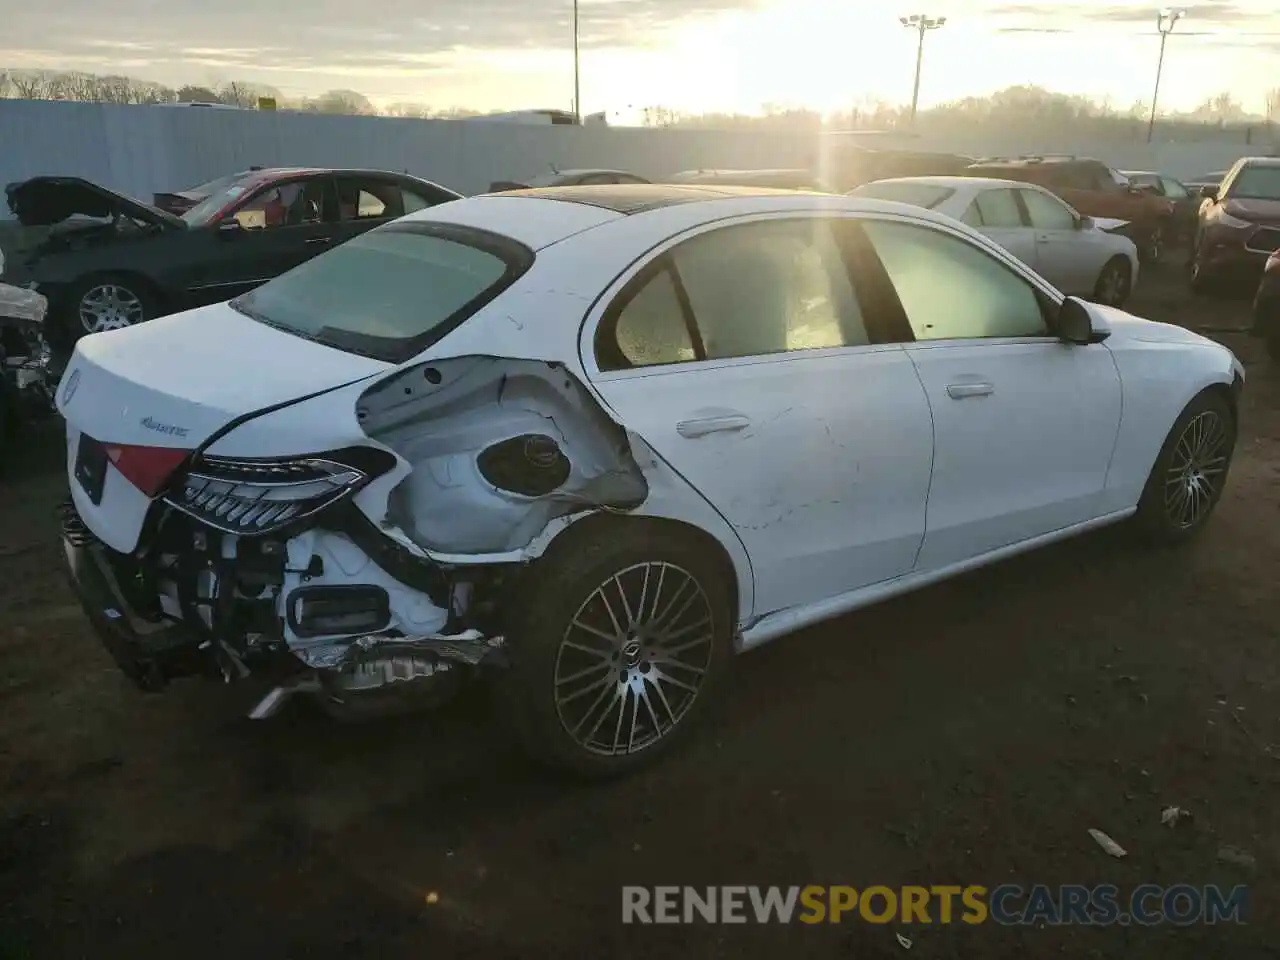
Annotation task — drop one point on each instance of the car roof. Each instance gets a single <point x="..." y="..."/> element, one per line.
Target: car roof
<point x="956" y="183"/>
<point x="541" y="217"/>
<point x="631" y="198"/>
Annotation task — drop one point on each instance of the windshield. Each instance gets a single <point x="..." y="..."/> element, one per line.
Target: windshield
<point x="1256" y="183"/>
<point x="229" y="190"/>
<point x="927" y="195"/>
<point x="391" y="292"/>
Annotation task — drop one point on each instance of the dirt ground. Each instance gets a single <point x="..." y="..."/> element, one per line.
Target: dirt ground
<point x="970" y="733"/>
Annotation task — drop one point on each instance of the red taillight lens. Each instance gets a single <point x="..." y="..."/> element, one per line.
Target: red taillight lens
<point x="147" y="468"/>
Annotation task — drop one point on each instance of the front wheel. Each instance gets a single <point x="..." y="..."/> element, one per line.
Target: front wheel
<point x="105" y="302"/>
<point x="1190" y="472"/>
<point x="619" y="647"/>
<point x="1114" y="283"/>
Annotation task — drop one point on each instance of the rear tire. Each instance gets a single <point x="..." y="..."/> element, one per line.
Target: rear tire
<point x="1188" y="477"/>
<point x="595" y="700"/>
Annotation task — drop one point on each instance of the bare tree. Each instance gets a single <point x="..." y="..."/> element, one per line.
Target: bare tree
<point x="342" y="102"/>
<point x="29" y="84"/>
<point x="403" y="109"/>
<point x="238" y="94"/>
<point x="1271" y="105"/>
<point x="4" y="84"/>
<point x="190" y="94"/>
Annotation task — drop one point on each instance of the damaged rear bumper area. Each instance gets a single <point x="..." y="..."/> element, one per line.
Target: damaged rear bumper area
<point x="153" y="647"/>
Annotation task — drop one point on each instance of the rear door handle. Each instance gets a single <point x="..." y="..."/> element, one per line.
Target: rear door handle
<point x="320" y="240"/>
<point x="703" y="426"/>
<point x="958" y="391"/>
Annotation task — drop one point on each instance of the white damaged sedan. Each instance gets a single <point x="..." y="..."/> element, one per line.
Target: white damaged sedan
<point x="600" y="438"/>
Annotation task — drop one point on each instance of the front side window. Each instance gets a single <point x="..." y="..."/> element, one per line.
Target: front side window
<point x="950" y="289"/>
<point x="1046" y="212"/>
<point x="389" y="292"/>
<point x="740" y="291"/>
<point x="998" y="208"/>
<point x="282" y="205"/>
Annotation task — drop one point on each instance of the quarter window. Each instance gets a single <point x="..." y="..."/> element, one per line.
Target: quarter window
<point x="1173" y="189"/>
<point x="739" y="291"/>
<point x="950" y="289"/>
<point x="369" y="199"/>
<point x="998" y="208"/>
<point x="1048" y="213"/>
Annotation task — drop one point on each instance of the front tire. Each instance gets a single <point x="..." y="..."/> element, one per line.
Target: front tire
<point x="618" y="648"/>
<point x="1115" y="282"/>
<point x="1189" y="474"/>
<point x="107" y="302"/>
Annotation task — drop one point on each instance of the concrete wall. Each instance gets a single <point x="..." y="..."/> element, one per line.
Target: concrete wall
<point x="141" y="150"/>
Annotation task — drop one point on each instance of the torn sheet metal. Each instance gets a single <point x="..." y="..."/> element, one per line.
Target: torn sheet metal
<point x="498" y="448"/>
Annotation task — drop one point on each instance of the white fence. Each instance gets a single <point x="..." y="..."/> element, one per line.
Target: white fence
<point x="141" y="150"/>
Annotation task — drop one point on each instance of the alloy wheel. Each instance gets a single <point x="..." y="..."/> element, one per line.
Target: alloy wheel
<point x="633" y="659"/>
<point x="110" y="306"/>
<point x="1196" y="470"/>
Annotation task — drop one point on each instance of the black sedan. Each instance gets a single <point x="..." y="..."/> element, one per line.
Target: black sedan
<point x="119" y="261"/>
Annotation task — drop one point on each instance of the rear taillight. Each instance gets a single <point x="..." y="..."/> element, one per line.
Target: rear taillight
<point x="256" y="497"/>
<point x="147" y="468"/>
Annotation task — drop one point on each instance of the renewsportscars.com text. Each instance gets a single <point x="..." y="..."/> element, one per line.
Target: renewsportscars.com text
<point x="1009" y="904"/>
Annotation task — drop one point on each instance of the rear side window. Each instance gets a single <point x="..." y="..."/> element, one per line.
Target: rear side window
<point x="758" y="289"/>
<point x="390" y="292"/>
<point x="925" y="195"/>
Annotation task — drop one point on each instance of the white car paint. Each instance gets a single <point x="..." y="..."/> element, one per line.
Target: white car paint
<point x="1069" y="252"/>
<point x="843" y="475"/>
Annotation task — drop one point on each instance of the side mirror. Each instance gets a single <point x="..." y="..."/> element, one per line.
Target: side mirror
<point x="1209" y="192"/>
<point x="229" y="228"/>
<point x="1084" y="223"/>
<point x="1075" y="323"/>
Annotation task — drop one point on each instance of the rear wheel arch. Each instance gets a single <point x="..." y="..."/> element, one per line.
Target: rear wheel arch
<point x="599" y="526"/>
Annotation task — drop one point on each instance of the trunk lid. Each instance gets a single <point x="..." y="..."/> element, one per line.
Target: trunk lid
<point x="44" y="201"/>
<point x="152" y="394"/>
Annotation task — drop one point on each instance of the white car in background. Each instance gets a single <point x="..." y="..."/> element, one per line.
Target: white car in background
<point x="1077" y="254"/>
<point x="606" y="436"/>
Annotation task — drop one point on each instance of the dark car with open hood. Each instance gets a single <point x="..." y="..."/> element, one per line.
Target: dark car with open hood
<point x="110" y="260"/>
<point x="1239" y="225"/>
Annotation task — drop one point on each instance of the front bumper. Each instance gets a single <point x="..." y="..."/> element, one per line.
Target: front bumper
<point x="148" y="652"/>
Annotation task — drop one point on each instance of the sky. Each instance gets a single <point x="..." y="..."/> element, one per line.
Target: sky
<point x="690" y="55"/>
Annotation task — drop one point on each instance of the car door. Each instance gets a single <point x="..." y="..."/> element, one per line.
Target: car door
<point x="273" y="229"/>
<point x="996" y="215"/>
<point x="1068" y="257"/>
<point x="746" y="359"/>
<point x="1024" y="424"/>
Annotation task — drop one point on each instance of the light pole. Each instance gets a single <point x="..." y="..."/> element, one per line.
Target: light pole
<point x="921" y="23"/>
<point x="1165" y="22"/>
<point x="577" y="88"/>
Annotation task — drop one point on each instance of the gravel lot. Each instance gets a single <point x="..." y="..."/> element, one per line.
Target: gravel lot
<point x="970" y="733"/>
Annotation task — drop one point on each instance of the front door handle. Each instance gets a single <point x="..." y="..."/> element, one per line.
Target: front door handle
<point x="320" y="240"/>
<point x="705" y="425"/>
<point x="958" y="391"/>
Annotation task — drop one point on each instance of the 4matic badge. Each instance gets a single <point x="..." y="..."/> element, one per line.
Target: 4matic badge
<point x="166" y="428"/>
